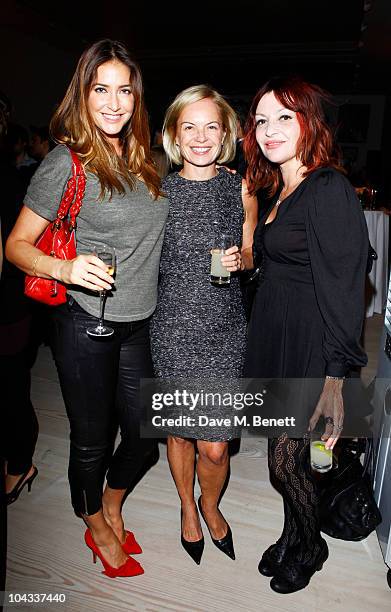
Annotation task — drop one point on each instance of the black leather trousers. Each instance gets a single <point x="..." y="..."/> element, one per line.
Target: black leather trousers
<point x="99" y="380"/>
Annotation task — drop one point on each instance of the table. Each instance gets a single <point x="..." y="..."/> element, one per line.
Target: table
<point x="378" y="230"/>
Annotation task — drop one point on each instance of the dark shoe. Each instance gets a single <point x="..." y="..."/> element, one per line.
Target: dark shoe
<point x="226" y="544"/>
<point x="272" y="559"/>
<point x="13" y="495"/>
<point x="296" y="576"/>
<point x="194" y="549"/>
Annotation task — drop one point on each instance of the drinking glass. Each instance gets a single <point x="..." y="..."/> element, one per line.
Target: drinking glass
<point x="321" y="457"/>
<point x="107" y="255"/>
<point x="219" y="275"/>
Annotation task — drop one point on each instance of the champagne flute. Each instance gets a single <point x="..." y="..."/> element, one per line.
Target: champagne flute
<point x="106" y="254"/>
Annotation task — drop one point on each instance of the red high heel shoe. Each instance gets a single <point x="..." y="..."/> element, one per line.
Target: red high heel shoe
<point x="127" y="569"/>
<point x="131" y="546"/>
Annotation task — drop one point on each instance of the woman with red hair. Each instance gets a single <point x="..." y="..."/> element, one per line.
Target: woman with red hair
<point x="307" y="318"/>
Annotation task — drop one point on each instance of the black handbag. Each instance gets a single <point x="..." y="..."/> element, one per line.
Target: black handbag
<point x="348" y="510"/>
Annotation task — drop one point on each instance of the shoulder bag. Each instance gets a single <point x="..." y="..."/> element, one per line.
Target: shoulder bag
<point x="58" y="239"/>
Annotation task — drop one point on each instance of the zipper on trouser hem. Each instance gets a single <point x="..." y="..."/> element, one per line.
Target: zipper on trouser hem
<point x="85" y="502"/>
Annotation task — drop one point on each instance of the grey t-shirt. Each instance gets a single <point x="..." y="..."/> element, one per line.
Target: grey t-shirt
<point x="133" y="223"/>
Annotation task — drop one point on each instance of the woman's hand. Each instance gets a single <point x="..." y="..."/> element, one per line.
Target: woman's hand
<point x="330" y="406"/>
<point x="85" y="270"/>
<point x="230" y="170"/>
<point x="232" y="260"/>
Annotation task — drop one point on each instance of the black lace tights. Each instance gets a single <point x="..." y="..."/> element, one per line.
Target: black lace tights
<point x="291" y="476"/>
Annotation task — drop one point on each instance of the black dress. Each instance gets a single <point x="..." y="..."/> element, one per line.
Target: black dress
<point x="309" y="308"/>
<point x="306" y="322"/>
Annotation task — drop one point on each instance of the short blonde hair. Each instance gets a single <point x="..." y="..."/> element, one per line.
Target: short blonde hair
<point x="195" y="94"/>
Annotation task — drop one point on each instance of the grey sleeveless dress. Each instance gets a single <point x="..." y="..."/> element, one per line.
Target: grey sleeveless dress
<point x="198" y="330"/>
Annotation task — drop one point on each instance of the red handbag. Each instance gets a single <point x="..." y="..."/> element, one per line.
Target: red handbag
<point x="58" y="239"/>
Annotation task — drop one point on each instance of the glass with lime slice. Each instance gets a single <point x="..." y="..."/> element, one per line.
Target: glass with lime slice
<point x="321" y="457"/>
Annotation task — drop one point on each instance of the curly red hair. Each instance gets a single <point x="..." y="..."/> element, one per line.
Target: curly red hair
<point x="316" y="147"/>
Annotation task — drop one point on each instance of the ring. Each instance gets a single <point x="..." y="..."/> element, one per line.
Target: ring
<point x="329" y="421"/>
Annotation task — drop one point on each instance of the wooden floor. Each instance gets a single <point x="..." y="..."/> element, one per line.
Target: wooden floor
<point x="47" y="554"/>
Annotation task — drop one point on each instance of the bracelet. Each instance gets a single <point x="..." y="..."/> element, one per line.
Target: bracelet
<point x="34" y="266"/>
<point x="335" y="377"/>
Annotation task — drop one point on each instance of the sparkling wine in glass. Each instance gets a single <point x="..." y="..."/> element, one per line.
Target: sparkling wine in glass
<point x="107" y="255"/>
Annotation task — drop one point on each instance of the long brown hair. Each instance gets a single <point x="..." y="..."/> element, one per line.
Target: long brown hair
<point x="316" y="147"/>
<point x="73" y="125"/>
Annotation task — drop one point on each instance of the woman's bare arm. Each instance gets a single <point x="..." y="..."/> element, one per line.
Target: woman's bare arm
<point x="85" y="270"/>
<point x="250" y="206"/>
<point x="20" y="249"/>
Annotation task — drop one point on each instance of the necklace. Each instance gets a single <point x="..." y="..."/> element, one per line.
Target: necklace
<point x="280" y="200"/>
<point x="288" y="193"/>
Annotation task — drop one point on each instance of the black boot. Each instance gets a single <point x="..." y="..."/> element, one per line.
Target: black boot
<point x="272" y="559"/>
<point x="294" y="576"/>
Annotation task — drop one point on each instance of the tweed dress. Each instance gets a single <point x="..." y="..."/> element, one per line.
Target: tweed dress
<point x="198" y="330"/>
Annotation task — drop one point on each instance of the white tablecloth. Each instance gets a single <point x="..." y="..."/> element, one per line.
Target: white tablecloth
<point x="378" y="229"/>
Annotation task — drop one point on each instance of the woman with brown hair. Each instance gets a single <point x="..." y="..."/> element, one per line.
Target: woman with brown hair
<point x="306" y="322"/>
<point x="102" y="119"/>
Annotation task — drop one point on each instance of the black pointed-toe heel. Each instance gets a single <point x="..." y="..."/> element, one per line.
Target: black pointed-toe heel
<point x="194" y="549"/>
<point x="226" y="544"/>
<point x="13" y="495"/>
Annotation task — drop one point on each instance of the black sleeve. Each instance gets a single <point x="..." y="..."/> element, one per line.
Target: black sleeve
<point x="338" y="247"/>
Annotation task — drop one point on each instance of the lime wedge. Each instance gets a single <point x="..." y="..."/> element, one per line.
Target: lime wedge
<point x="321" y="446"/>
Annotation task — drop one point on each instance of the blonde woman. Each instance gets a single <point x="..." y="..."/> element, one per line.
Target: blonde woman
<point x="198" y="330"/>
<point x="103" y="120"/>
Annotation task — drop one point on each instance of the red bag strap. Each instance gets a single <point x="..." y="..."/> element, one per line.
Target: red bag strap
<point x="73" y="196"/>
